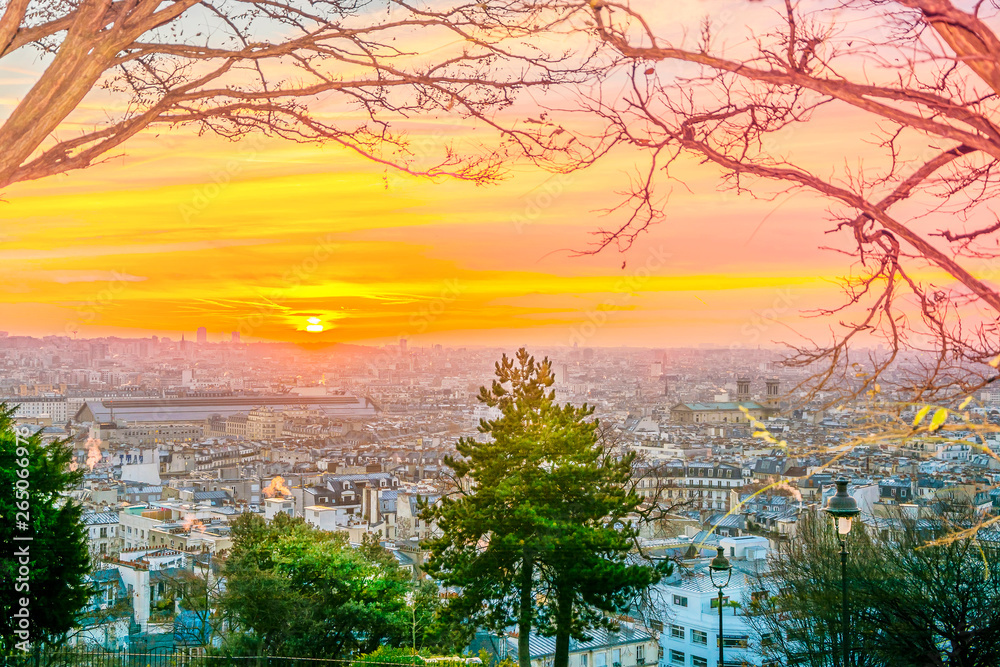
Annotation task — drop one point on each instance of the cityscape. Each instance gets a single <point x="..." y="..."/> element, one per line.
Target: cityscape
<point x="505" y="333"/>
<point x="177" y="438"/>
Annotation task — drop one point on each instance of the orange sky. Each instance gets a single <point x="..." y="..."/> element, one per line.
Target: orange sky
<point x="152" y="244"/>
<point x="185" y="231"/>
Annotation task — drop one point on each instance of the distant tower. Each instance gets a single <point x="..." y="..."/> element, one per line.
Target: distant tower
<point x="771" y="402"/>
<point x="202" y="335"/>
<point x="402" y="345"/>
<point x="236" y="337"/>
<point x="742" y="390"/>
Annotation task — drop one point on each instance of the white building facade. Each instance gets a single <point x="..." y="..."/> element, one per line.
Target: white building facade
<point x="690" y="635"/>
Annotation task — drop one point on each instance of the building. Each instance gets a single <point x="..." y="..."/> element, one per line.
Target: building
<point x="144" y="435"/>
<point x="729" y="411"/>
<point x="136" y="523"/>
<point x="202" y="335"/>
<point x="690" y="633"/>
<point x="191" y="534"/>
<point x="326" y="518"/>
<point x="264" y="424"/>
<point x="631" y="647"/>
<point x="717" y="412"/>
<point x="51" y="409"/>
<point x="102" y="533"/>
<point x="709" y="484"/>
<point x="201" y="408"/>
<point x="275" y="506"/>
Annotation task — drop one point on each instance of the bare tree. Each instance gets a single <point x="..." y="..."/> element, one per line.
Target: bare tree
<point x="653" y="479"/>
<point x="285" y="68"/>
<point x="923" y="74"/>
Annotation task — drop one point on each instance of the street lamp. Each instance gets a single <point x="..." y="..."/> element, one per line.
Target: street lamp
<point x="718" y="568"/>
<point x="843" y="508"/>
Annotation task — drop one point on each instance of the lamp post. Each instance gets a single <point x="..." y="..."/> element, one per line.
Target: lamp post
<point x="843" y="508"/>
<point x="718" y="568"/>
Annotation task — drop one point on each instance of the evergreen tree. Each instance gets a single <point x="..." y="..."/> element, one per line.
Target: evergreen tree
<point x="584" y="495"/>
<point x="49" y="570"/>
<point x="536" y="531"/>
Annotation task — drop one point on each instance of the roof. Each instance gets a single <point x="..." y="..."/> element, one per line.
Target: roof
<point x="727" y="521"/>
<point x="541" y="647"/>
<point x="211" y="495"/>
<point x="94" y="518"/>
<point x="201" y="408"/>
<point x="130" y="488"/>
<point x="727" y="406"/>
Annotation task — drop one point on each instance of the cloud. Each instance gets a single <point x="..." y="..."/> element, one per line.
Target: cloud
<point x="87" y="276"/>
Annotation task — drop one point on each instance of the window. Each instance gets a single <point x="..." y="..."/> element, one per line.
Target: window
<point x="680" y="601"/>
<point x="676" y="632"/>
<point x="656" y="625"/>
<point x="733" y="642"/>
<point x="766" y="639"/>
<point x="640" y="655"/>
<point x="699" y="661"/>
<point x="699" y="637"/>
<point x="583" y="660"/>
<point x="715" y="602"/>
<point x="600" y="660"/>
<point x="616" y="657"/>
<point x="676" y="658"/>
<point x="758" y="596"/>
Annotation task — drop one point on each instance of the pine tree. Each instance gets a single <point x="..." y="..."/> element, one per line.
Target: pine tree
<point x="487" y="546"/>
<point x="49" y="570"/>
<point x="537" y="533"/>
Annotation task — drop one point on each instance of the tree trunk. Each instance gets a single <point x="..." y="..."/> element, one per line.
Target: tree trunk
<point x="564" y="622"/>
<point x="527" y="604"/>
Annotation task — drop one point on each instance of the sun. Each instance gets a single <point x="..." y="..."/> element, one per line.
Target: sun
<point x="314" y="325"/>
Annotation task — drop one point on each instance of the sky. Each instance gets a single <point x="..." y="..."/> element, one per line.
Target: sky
<point x="266" y="237"/>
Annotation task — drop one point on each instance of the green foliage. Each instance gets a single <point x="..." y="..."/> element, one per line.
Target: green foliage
<point x="297" y="591"/>
<point x="58" y="560"/>
<point x="388" y="655"/>
<point x="537" y="533"/>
